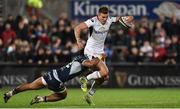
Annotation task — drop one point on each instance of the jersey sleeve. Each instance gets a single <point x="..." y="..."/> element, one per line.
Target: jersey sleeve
<point x="112" y="19"/>
<point x="89" y="22"/>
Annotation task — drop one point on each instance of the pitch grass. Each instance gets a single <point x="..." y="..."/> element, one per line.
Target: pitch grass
<point x="104" y="98"/>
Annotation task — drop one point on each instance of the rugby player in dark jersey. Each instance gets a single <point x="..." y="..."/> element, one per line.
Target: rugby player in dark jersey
<point x="55" y="79"/>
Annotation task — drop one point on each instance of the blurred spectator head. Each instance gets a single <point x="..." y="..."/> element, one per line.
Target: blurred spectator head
<point x="7" y="26"/>
<point x="68" y="29"/>
<point x="144" y="22"/>
<point x="58" y="51"/>
<point x="168" y="41"/>
<point x="10" y="17"/>
<point x="174" y="39"/>
<point x="135" y="51"/>
<point x="158" y="24"/>
<point x="142" y="30"/>
<point x="133" y="42"/>
<point x="48" y="51"/>
<point x="41" y="51"/>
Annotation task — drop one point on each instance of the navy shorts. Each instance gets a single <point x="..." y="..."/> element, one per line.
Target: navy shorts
<point x="52" y="83"/>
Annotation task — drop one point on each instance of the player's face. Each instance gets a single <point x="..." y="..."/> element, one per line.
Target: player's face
<point x="102" y="17"/>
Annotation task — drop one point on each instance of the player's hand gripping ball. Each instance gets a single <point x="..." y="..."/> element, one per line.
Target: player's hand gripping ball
<point x="127" y="21"/>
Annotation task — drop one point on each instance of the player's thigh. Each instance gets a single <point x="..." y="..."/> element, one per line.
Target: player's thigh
<point x="37" y="83"/>
<point x="104" y="69"/>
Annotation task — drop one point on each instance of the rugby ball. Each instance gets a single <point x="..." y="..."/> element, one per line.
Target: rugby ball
<point x="127" y="21"/>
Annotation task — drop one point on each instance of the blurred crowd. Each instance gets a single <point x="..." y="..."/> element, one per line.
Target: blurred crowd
<point x="149" y="41"/>
<point x="41" y="41"/>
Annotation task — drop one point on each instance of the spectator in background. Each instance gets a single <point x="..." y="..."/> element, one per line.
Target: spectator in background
<point x="56" y="43"/>
<point x="144" y="23"/>
<point x="134" y="52"/>
<point x="40" y="56"/>
<point x="2" y="51"/>
<point x="34" y="20"/>
<point x="159" y="33"/>
<point x="108" y="51"/>
<point x="10" y="52"/>
<point x="132" y="32"/>
<point x="44" y="39"/>
<point x="146" y="51"/>
<point x="22" y="30"/>
<point x="10" y="20"/>
<point x="159" y="53"/>
<point x="142" y="36"/>
<point x="134" y="56"/>
<point x="69" y="34"/>
<point x="120" y="38"/>
<point x="59" y="56"/>
<point x="55" y="33"/>
<point x="174" y="27"/>
<point x="31" y="34"/>
<point x="49" y="57"/>
<point x="74" y="50"/>
<point x="9" y="35"/>
<point x="24" y="52"/>
<point x="46" y="24"/>
<point x="63" y="20"/>
<point x="171" y="48"/>
<point x="157" y="28"/>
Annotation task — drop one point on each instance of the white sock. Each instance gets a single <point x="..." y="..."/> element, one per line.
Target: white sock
<point x="41" y="99"/>
<point x="92" y="90"/>
<point x="94" y="75"/>
<point x="10" y="93"/>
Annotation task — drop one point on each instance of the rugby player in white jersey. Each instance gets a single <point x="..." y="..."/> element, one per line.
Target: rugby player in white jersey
<point x="98" y="29"/>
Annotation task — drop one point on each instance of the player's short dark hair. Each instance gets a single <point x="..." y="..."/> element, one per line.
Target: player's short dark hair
<point x="103" y="10"/>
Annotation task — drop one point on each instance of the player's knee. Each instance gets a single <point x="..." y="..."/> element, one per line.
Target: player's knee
<point x="105" y="73"/>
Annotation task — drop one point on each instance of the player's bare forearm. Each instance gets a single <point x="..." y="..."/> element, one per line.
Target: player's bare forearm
<point x="77" y="32"/>
<point x="78" y="29"/>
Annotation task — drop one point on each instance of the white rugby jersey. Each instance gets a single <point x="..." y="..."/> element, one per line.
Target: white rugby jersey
<point x="97" y="35"/>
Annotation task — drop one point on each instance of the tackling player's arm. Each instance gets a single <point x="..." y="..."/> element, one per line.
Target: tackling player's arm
<point x="77" y="32"/>
<point x="91" y="63"/>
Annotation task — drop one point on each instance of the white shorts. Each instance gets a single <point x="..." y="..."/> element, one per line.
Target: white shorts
<point x="92" y="54"/>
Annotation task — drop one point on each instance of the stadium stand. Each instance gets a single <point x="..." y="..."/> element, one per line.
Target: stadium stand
<point x="34" y="40"/>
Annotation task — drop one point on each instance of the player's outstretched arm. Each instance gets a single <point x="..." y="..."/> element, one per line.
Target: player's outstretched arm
<point x="77" y="32"/>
